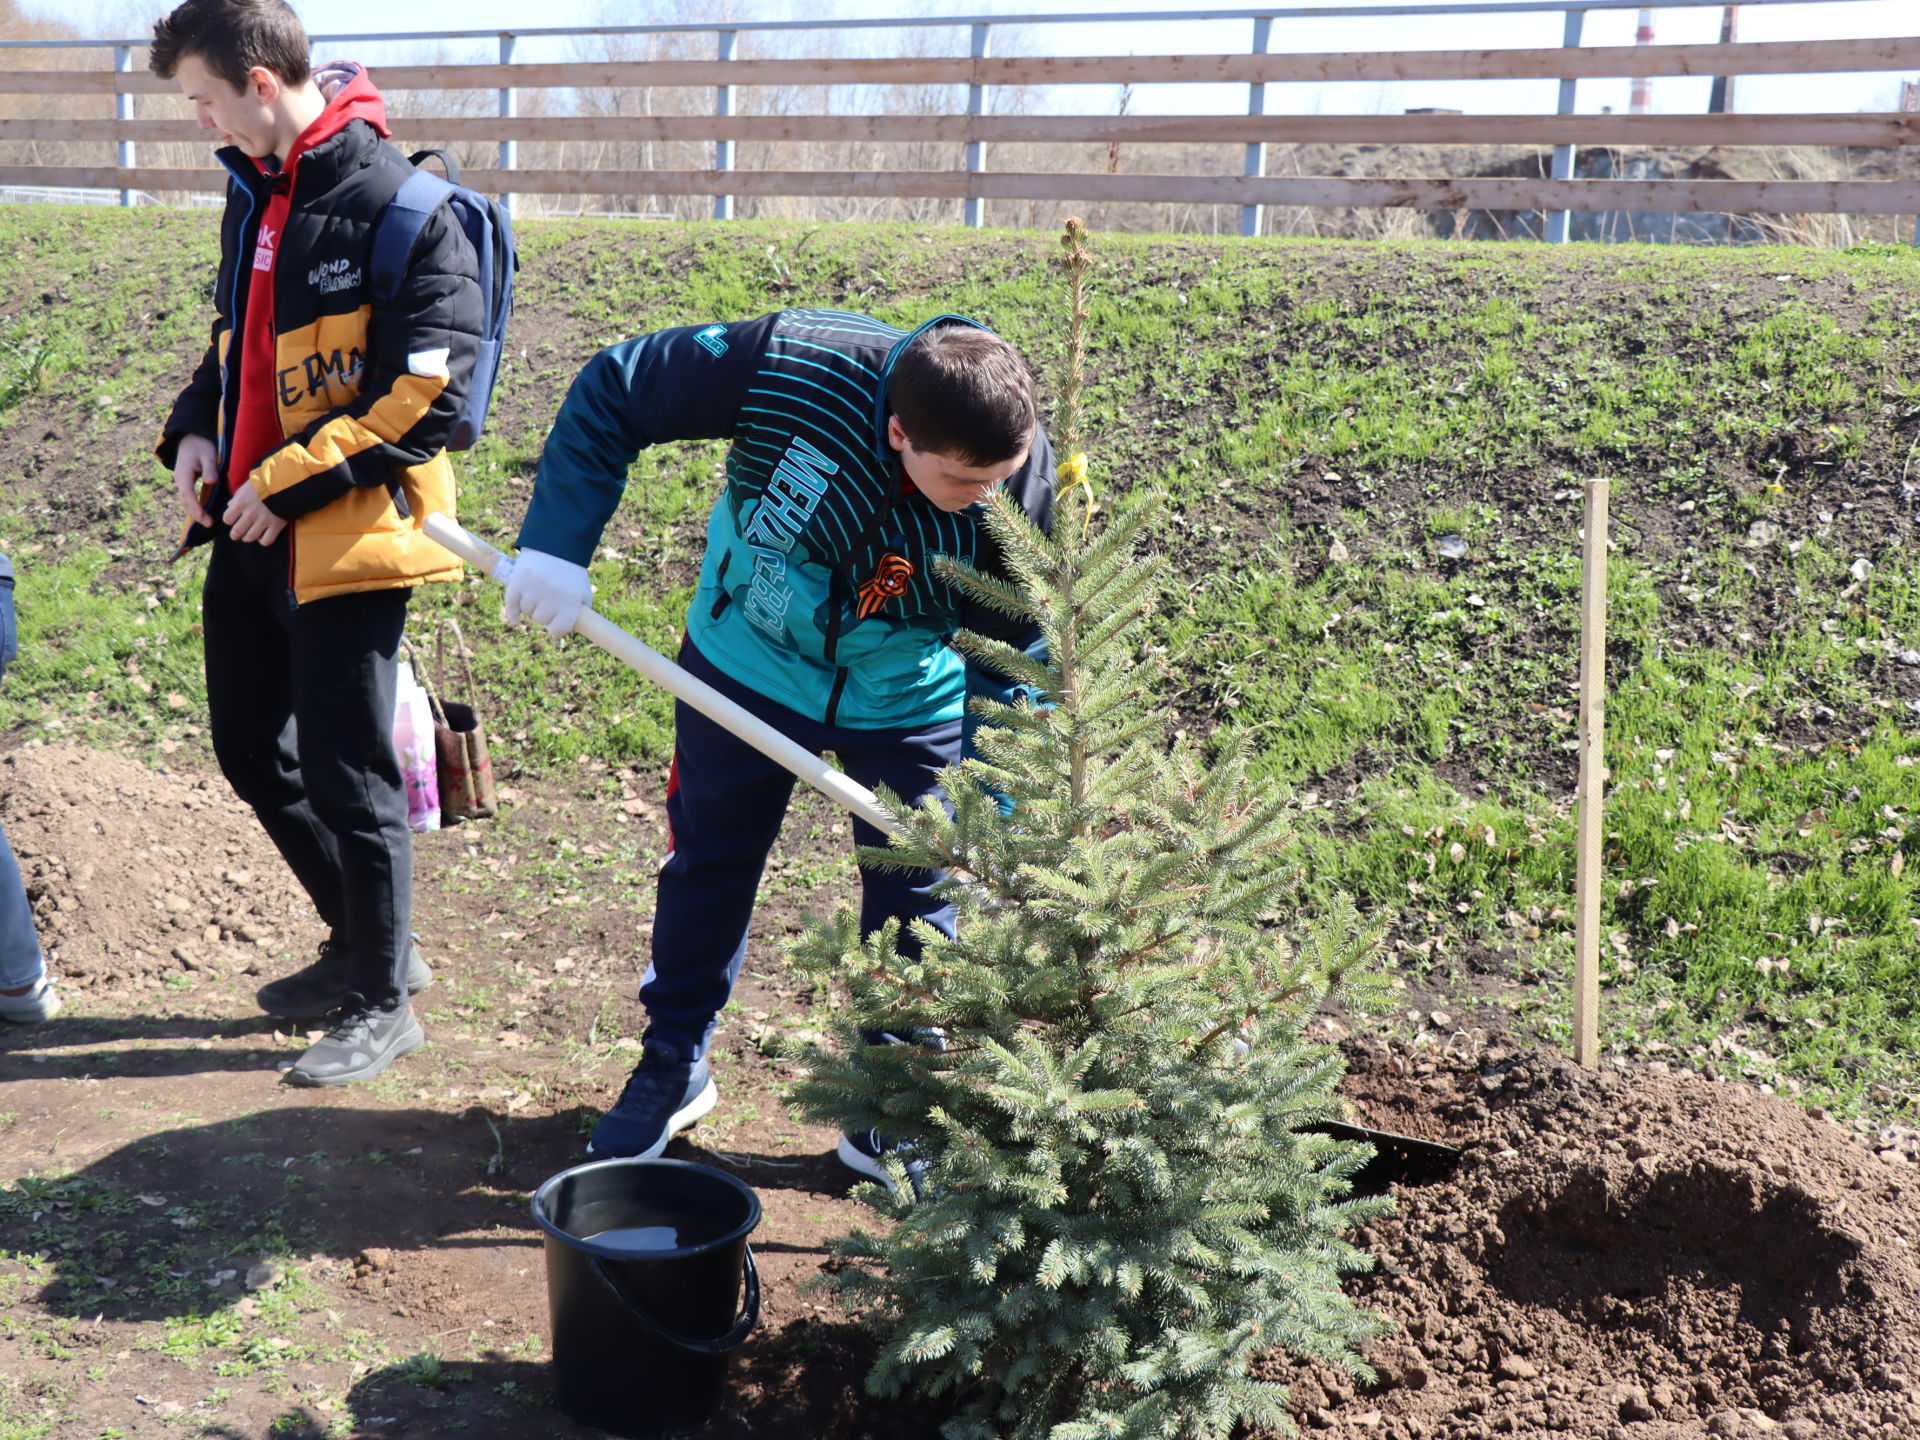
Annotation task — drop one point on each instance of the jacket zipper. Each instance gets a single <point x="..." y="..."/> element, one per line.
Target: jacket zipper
<point x="836" y="585"/>
<point x="293" y="598"/>
<point x="273" y="289"/>
<point x="224" y="444"/>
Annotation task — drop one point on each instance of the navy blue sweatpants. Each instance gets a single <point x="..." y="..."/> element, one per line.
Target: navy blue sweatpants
<point x="725" y="804"/>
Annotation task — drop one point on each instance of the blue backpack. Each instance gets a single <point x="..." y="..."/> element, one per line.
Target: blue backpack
<point x="491" y="233"/>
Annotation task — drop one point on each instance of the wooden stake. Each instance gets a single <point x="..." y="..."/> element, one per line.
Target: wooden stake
<point x="1593" y="777"/>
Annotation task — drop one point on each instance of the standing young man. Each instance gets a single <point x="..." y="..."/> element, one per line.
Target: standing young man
<point x="861" y="452"/>
<point x="308" y="448"/>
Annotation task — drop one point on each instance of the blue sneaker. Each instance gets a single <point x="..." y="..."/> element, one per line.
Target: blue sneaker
<point x="866" y="1152"/>
<point x="930" y="1037"/>
<point x="662" y="1097"/>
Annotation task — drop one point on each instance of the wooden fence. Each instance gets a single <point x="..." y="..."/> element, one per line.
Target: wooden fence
<point x="981" y="74"/>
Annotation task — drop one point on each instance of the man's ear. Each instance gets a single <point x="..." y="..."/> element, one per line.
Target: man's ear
<point x="263" y="85"/>
<point x="896" y="433"/>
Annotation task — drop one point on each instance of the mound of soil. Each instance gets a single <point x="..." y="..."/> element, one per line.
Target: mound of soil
<point x="1629" y="1255"/>
<point x="138" y="874"/>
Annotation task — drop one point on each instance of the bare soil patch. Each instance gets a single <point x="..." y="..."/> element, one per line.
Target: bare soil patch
<point x="1637" y="1254"/>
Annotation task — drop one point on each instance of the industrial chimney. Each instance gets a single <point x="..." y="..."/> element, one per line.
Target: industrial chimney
<point x="1641" y="100"/>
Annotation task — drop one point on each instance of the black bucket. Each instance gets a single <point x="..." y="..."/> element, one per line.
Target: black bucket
<point x="646" y="1260"/>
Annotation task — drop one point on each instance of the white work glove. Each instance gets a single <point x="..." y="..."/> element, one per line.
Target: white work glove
<point x="547" y="590"/>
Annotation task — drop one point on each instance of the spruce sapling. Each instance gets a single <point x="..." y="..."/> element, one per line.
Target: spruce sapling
<point x="1119" y="1211"/>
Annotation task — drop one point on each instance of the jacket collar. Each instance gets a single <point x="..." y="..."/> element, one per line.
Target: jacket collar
<point x="319" y="168"/>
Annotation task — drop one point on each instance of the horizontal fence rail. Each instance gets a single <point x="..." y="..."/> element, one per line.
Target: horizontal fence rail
<point x="1865" y="128"/>
<point x="1814" y="57"/>
<point x="721" y="87"/>
<point x="1783" y="197"/>
<point x="1090" y="17"/>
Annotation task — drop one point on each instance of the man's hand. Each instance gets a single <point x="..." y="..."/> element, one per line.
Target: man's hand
<point x="196" y="462"/>
<point x="249" y="519"/>
<point x="549" y="591"/>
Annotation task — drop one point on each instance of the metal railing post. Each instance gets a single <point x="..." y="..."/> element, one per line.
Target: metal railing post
<point x="1557" y="220"/>
<point x="977" y="149"/>
<point x="509" y="107"/>
<point x="1720" y="98"/>
<point x="123" y="110"/>
<point x="723" y="149"/>
<point x="1250" y="215"/>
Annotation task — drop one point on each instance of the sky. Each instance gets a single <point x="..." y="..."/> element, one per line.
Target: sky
<point x="1783" y="94"/>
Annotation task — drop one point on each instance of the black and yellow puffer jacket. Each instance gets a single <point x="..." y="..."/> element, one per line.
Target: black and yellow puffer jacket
<point x="365" y="401"/>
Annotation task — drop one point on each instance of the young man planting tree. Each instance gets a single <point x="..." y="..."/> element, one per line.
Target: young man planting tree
<point x="307" y="449"/>
<point x="860" y="453"/>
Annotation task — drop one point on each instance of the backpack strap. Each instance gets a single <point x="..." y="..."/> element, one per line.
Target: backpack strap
<point x="447" y="162"/>
<point x="398" y="230"/>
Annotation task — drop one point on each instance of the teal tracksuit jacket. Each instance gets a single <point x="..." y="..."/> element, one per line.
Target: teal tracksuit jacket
<point x="818" y="588"/>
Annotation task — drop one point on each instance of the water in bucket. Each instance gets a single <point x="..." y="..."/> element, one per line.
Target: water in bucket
<point x="647" y="1261"/>
<point x="629" y="1222"/>
<point x="639" y="1238"/>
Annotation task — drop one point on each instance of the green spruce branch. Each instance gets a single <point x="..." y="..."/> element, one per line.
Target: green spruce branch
<point x="1120" y="1210"/>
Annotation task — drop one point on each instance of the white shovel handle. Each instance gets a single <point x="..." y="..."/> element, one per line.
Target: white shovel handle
<point x="832" y="783"/>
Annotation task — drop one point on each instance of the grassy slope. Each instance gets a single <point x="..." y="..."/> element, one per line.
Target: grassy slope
<point x="1320" y="417"/>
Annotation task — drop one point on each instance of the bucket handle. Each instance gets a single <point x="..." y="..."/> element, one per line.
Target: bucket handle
<point x="749" y="1316"/>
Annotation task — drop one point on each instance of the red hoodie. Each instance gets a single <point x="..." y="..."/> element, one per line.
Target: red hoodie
<point x="256" y="419"/>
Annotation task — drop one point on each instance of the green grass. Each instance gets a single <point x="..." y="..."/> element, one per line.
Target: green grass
<point x="1319" y="418"/>
<point x="27" y="357"/>
<point x="103" y="663"/>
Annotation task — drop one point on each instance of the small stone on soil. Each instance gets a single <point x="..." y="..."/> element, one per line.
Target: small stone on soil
<point x="259" y="1277"/>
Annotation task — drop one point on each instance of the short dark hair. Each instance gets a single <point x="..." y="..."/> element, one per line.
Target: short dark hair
<point x="963" y="392"/>
<point x="231" y="37"/>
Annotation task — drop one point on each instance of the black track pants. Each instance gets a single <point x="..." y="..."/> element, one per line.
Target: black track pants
<point x="300" y="701"/>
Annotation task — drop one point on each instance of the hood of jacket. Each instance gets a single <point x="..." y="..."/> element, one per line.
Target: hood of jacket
<point x="351" y="95"/>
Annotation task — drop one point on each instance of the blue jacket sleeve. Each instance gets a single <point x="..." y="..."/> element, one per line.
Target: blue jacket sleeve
<point x="687" y="383"/>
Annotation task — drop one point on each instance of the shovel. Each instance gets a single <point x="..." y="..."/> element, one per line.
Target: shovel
<point x="832" y="783"/>
<point x="1402" y="1159"/>
<point x="1400" y="1156"/>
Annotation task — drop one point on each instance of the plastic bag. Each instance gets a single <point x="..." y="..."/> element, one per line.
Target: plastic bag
<point x="413" y="743"/>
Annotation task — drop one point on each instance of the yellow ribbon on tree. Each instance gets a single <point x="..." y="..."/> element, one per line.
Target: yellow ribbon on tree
<point x="1072" y="472"/>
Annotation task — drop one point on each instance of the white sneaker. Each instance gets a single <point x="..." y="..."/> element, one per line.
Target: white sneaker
<point x="42" y="1002"/>
<point x="865" y="1152"/>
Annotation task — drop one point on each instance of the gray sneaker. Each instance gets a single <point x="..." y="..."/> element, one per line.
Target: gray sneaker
<point x="363" y="1040"/>
<point x="321" y="988"/>
<point x="41" y="1002"/>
